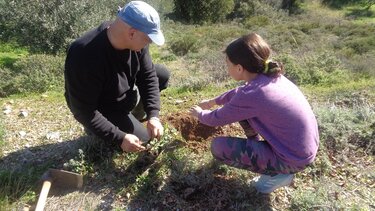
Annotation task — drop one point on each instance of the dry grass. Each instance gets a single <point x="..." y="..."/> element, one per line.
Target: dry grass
<point x="180" y="177"/>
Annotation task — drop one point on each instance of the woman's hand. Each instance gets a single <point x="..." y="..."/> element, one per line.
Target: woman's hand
<point x="207" y="104"/>
<point x="195" y="111"/>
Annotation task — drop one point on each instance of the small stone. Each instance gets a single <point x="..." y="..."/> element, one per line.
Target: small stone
<point x="7" y="111"/>
<point x="53" y="135"/>
<point x="179" y="101"/>
<point x="22" y="134"/>
<point x="23" y="114"/>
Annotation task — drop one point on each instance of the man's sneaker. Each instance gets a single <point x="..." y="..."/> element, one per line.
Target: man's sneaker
<point x="267" y="183"/>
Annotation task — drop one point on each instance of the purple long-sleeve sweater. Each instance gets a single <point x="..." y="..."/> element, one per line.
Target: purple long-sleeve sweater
<point x="277" y="110"/>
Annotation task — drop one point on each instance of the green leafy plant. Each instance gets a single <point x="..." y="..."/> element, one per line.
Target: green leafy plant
<point x="79" y="164"/>
<point x="158" y="145"/>
<point x="49" y="26"/>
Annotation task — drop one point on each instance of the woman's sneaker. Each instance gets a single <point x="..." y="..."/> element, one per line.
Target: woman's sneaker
<point x="267" y="183"/>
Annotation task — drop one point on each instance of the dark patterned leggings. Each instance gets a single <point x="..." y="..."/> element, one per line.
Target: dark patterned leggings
<point x="250" y="154"/>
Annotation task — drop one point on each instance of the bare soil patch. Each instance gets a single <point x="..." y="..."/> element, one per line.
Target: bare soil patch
<point x="197" y="135"/>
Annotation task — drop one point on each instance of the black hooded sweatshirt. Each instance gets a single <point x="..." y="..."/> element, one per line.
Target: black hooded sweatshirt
<point x="100" y="80"/>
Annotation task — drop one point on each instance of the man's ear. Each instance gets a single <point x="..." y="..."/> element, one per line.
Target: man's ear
<point x="132" y="33"/>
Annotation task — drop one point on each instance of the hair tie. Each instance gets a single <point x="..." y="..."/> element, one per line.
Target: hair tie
<point x="266" y="68"/>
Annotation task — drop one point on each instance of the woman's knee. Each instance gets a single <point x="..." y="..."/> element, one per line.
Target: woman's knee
<point x="218" y="147"/>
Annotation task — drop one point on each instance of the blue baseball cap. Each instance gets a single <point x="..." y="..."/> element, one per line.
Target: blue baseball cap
<point x="143" y="17"/>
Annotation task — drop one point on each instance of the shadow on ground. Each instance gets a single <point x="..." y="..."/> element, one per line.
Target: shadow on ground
<point x="106" y="183"/>
<point x="21" y="171"/>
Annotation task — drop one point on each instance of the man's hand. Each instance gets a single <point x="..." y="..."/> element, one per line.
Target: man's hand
<point x="154" y="128"/>
<point x="207" y="104"/>
<point x="131" y="143"/>
<point x="195" y="111"/>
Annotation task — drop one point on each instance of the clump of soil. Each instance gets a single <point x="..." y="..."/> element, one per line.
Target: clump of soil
<point x="198" y="135"/>
<point x="191" y="129"/>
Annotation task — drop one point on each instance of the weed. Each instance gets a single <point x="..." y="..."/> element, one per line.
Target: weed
<point x="156" y="145"/>
<point x="79" y="164"/>
<point x="18" y="186"/>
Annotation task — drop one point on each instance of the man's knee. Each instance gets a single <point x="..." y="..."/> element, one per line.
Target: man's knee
<point x="163" y="76"/>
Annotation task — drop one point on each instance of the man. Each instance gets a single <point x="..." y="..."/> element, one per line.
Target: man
<point x="105" y="67"/>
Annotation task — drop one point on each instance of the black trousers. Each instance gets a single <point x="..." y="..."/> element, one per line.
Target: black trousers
<point x="128" y="123"/>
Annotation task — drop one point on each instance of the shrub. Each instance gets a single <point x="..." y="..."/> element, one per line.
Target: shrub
<point x="2" y="134"/>
<point x="162" y="6"/>
<point x="6" y="80"/>
<point x="362" y="64"/>
<point x="48" y="26"/>
<point x="260" y="20"/>
<point x="184" y="44"/>
<point x="248" y="8"/>
<point x="323" y="64"/>
<point x="293" y="6"/>
<point x="319" y="68"/>
<point x="293" y="70"/>
<point x="213" y="64"/>
<point x="196" y="11"/>
<point x="345" y="121"/>
<point x="356" y="37"/>
<point x="35" y="73"/>
<point x="360" y="45"/>
<point x="341" y="3"/>
<point x="216" y="37"/>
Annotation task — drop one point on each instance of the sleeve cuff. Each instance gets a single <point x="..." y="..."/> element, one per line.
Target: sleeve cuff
<point x="119" y="137"/>
<point x="154" y="113"/>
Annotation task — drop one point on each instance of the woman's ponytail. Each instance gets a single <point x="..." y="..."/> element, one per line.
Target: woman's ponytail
<point x="273" y="68"/>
